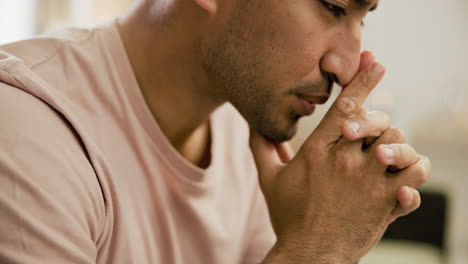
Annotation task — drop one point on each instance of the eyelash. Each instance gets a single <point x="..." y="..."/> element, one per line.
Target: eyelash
<point x="336" y="11"/>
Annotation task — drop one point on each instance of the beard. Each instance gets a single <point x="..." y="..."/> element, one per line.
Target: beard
<point x="239" y="60"/>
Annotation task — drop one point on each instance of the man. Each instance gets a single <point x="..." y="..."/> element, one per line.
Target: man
<point x="119" y="145"/>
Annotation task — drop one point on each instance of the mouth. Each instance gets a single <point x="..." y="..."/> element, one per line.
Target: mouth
<point x="306" y="107"/>
<point x="308" y="101"/>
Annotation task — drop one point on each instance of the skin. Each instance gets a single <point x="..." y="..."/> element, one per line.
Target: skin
<point x="190" y="57"/>
<point x="332" y="201"/>
<point x="204" y="61"/>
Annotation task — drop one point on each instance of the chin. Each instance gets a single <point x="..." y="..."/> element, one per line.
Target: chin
<point x="277" y="135"/>
<point x="278" y="139"/>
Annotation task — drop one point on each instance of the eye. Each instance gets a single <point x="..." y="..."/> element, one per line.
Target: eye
<point x="335" y="10"/>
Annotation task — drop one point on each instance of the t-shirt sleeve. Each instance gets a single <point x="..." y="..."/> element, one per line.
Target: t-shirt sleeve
<point x="261" y="236"/>
<point x="51" y="207"/>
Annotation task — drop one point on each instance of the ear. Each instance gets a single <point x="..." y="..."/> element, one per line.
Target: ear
<point x="208" y="5"/>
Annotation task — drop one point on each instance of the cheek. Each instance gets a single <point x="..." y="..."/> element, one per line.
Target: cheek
<point x="298" y="41"/>
<point x="296" y="60"/>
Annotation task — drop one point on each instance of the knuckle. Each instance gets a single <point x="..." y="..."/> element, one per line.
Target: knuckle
<point x="396" y="134"/>
<point x="379" y="192"/>
<point x="404" y="151"/>
<point x="343" y="160"/>
<point x="425" y="176"/>
<point x="398" y="150"/>
<point x="361" y="173"/>
<point x="312" y="147"/>
<point x="378" y="121"/>
<point x="309" y="152"/>
<point x="409" y="149"/>
<point x="347" y="106"/>
<point x="421" y="176"/>
<point x="427" y="165"/>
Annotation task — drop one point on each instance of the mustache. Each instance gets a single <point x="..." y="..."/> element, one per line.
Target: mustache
<point x="324" y="86"/>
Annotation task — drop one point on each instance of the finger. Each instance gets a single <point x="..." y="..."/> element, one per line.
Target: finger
<point x="390" y="136"/>
<point x="266" y="158"/>
<point x="285" y="152"/>
<point x="398" y="155"/>
<point x="348" y="148"/>
<point x="413" y="176"/>
<point x="409" y="200"/>
<point x="348" y="103"/>
<point x="366" y="124"/>
<point x="366" y="60"/>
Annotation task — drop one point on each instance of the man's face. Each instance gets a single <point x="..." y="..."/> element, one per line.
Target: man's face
<point x="274" y="60"/>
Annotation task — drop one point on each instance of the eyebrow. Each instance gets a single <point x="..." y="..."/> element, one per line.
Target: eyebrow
<point x="366" y="4"/>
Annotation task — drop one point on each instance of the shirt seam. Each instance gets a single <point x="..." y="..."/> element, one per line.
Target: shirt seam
<point x="60" y="48"/>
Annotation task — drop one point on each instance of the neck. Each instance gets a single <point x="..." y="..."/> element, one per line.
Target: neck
<point x="163" y="51"/>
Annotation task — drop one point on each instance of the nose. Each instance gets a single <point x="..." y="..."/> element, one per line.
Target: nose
<point x="342" y="57"/>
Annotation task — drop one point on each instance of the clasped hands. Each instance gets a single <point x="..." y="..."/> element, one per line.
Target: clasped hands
<point x="353" y="176"/>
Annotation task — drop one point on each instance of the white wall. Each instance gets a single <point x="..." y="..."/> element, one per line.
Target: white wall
<point x="424" y="45"/>
<point x="17" y="20"/>
<point x="25" y="18"/>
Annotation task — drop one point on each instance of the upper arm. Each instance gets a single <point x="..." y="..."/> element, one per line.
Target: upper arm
<point x="51" y="206"/>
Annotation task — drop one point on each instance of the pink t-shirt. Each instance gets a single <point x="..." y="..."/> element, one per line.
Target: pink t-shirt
<point x="87" y="176"/>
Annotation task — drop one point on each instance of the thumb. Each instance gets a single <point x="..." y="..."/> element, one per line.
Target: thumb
<point x="266" y="156"/>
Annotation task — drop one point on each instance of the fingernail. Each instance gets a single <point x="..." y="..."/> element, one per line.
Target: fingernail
<point x="377" y="69"/>
<point x="355" y="127"/>
<point x="389" y="153"/>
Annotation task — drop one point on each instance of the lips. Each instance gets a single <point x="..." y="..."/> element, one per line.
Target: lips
<point x="308" y="103"/>
<point x="307" y="107"/>
<point x="315" y="99"/>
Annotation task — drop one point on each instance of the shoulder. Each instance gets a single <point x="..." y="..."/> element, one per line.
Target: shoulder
<point x="35" y="51"/>
<point x="40" y="136"/>
<point x="25" y="115"/>
<point x="44" y="170"/>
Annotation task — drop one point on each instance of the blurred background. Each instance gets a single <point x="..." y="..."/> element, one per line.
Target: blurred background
<point x="424" y="45"/>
